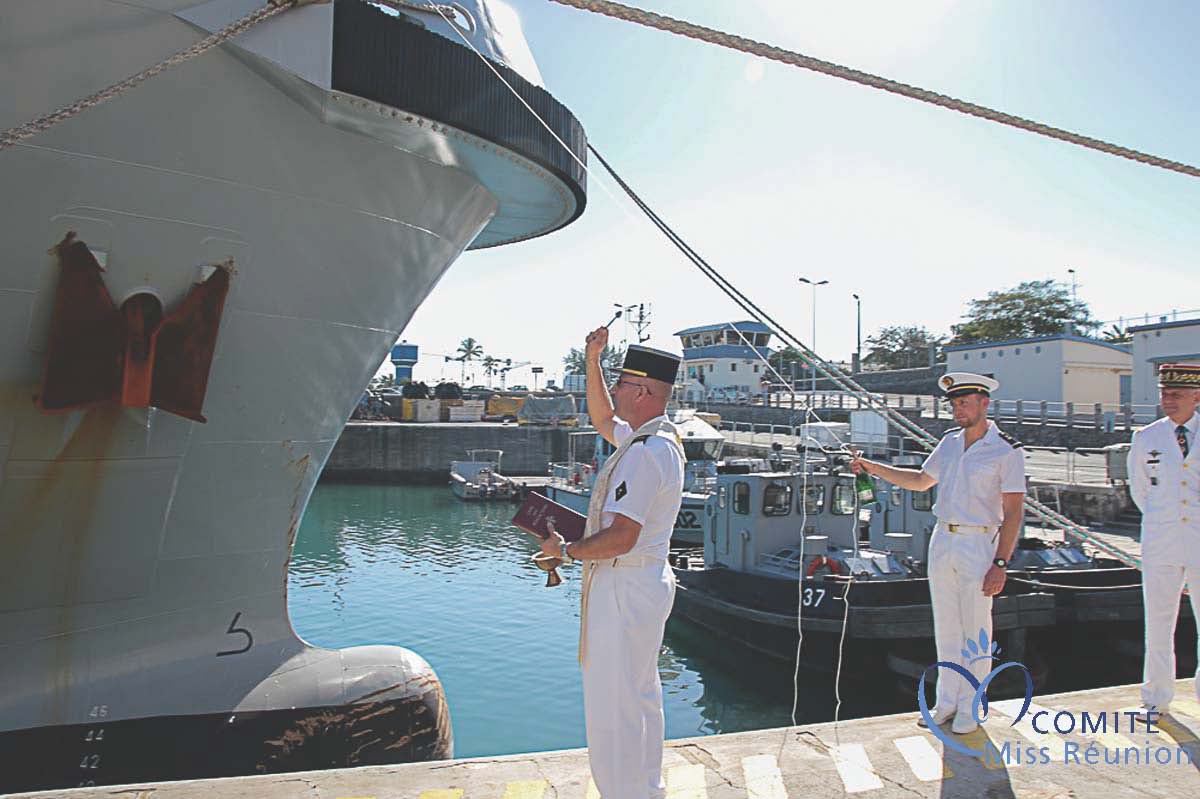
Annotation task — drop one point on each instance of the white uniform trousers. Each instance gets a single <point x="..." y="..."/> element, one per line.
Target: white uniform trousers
<point x="957" y="565"/>
<point x="1161" y="590"/>
<point x="622" y="695"/>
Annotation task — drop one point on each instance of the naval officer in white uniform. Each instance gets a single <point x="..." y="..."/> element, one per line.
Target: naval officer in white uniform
<point x="980" y="474"/>
<point x="628" y="587"/>
<point x="1164" y="481"/>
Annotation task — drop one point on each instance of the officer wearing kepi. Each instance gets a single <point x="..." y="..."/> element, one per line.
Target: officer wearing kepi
<point x="1164" y="481"/>
<point x="628" y="588"/>
<point x="980" y="474"/>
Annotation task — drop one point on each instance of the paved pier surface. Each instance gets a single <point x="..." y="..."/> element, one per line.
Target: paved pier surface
<point x="877" y="758"/>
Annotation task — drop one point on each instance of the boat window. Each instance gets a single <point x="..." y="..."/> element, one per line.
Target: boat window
<point x="721" y="496"/>
<point x="710" y="367"/>
<point x="741" y="497"/>
<point x="733" y="367"/>
<point x="692" y="372"/>
<point x="761" y="339"/>
<point x="777" y="499"/>
<point x="894" y="497"/>
<point x="708" y="338"/>
<point x="701" y="450"/>
<point x="923" y="500"/>
<point x="814" y="499"/>
<point x="843" y="499"/>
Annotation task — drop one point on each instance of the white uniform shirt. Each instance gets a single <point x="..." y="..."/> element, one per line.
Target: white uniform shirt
<point x="1167" y="489"/>
<point x="971" y="481"/>
<point x="646" y="486"/>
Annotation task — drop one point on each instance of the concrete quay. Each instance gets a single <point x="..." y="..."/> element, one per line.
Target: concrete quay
<point x="886" y="757"/>
<point x="411" y="452"/>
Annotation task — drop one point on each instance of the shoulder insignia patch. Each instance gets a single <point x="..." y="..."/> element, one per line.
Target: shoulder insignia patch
<point x="621" y="491"/>
<point x="1012" y="442"/>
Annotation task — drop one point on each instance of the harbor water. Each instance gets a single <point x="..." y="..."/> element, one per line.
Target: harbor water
<point x="452" y="581"/>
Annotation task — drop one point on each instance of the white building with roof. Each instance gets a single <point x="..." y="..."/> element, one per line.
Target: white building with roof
<point x="1059" y="368"/>
<point x="723" y="361"/>
<point x="1162" y="342"/>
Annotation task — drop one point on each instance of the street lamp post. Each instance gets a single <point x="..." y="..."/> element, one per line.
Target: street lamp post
<point x="857" y="332"/>
<point x="814" y="284"/>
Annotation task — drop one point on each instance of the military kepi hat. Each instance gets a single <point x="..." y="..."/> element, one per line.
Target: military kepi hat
<point x="646" y="362"/>
<point x="959" y="384"/>
<point x="1179" y="375"/>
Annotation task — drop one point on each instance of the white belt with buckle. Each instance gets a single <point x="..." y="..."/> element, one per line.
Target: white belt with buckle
<point x="970" y="528"/>
<point x="627" y="561"/>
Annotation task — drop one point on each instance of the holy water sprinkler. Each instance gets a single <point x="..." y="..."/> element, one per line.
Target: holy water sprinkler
<point x="616" y="316"/>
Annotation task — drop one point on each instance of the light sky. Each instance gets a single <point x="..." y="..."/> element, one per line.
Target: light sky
<point x="773" y="172"/>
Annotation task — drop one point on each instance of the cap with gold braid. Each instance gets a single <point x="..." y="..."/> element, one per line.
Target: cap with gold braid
<point x="1179" y="375"/>
<point x="959" y="384"/>
<point x="646" y="362"/>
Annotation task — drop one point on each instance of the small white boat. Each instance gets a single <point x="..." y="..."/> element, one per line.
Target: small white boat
<point x="479" y="479"/>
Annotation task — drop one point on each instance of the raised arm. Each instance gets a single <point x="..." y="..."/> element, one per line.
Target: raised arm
<point x="600" y="406"/>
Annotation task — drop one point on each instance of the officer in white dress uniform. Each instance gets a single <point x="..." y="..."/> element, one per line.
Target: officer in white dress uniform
<point x="629" y="593"/>
<point x="980" y="474"/>
<point x="1164" y="481"/>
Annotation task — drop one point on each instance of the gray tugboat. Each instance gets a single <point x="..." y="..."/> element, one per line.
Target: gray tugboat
<point x="197" y="280"/>
<point x="791" y="549"/>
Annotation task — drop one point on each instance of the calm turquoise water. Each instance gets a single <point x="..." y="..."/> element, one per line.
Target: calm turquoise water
<point x="415" y="567"/>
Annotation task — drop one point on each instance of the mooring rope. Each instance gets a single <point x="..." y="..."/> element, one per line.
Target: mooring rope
<point x="752" y="47"/>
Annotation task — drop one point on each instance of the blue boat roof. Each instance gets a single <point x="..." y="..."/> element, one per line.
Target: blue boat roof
<point x="725" y="351"/>
<point x="982" y="345"/>
<point x="746" y="326"/>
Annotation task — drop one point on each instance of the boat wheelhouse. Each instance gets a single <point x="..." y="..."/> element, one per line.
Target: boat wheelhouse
<point x="723" y="362"/>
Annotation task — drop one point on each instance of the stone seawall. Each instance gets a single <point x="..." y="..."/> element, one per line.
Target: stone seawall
<point x="399" y="452"/>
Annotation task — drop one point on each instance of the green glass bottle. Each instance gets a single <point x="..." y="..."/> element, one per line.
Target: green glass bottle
<point x="864" y="486"/>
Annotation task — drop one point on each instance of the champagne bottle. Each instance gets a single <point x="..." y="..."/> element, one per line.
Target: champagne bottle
<point x="864" y="486"/>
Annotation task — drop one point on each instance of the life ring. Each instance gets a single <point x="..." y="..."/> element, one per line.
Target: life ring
<point x="821" y="560"/>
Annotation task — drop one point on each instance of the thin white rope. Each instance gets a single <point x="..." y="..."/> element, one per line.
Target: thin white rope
<point x="752" y="47"/>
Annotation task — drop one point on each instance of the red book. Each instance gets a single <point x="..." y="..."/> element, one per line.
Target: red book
<point x="537" y="509"/>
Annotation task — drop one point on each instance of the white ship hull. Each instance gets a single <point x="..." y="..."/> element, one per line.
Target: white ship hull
<point x="144" y="630"/>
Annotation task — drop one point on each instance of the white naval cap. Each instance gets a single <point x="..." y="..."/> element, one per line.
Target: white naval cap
<point x="958" y="384"/>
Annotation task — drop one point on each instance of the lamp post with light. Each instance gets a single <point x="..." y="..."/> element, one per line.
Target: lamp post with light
<point x="814" y="284"/>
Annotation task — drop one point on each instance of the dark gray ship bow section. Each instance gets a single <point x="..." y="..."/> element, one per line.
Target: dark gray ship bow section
<point x="397" y="62"/>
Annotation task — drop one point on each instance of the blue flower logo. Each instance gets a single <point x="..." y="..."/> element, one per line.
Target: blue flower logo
<point x="973" y="651"/>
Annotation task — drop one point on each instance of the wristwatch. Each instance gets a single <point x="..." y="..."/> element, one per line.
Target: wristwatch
<point x="566" y="559"/>
<point x="1001" y="562"/>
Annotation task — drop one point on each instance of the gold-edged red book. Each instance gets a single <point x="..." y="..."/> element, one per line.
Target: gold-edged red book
<point x="537" y="509"/>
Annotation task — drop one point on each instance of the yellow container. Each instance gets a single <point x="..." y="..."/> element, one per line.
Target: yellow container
<point x="500" y="405"/>
<point x="408" y="410"/>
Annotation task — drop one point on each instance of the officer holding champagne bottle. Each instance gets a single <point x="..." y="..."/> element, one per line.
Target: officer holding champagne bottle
<point x="980" y="474"/>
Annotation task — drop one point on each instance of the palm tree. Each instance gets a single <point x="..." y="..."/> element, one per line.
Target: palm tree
<point x="468" y="350"/>
<point x="1116" y="334"/>
<point x="490" y="365"/>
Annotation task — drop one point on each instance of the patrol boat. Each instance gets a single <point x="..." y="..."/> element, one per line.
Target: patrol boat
<point x="478" y="479"/>
<point x="792" y="549"/>
<point x="571" y="481"/>
<point x="198" y="278"/>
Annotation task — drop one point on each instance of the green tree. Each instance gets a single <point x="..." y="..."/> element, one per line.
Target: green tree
<point x="1033" y="308"/>
<point x="901" y="347"/>
<point x="490" y="367"/>
<point x="1116" y="334"/>
<point x="611" y="359"/>
<point x="468" y="350"/>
